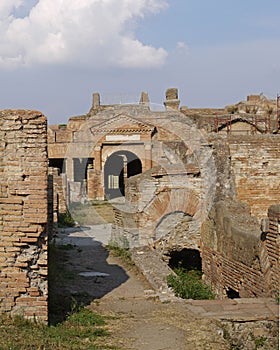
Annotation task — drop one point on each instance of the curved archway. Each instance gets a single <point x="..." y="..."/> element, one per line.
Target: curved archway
<point x="189" y="259"/>
<point x="118" y="167"/>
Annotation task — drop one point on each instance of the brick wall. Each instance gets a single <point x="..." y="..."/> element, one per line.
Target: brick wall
<point x="255" y="165"/>
<point x="23" y="214"/>
<point x="270" y="251"/>
<point x="236" y="256"/>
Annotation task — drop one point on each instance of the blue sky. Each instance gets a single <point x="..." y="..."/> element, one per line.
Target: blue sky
<point x="55" y="53"/>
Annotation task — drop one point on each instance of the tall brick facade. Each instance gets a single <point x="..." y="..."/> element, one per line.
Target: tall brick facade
<point x="23" y="214"/>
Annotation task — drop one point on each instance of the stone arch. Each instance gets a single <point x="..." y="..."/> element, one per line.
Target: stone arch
<point x="119" y="166"/>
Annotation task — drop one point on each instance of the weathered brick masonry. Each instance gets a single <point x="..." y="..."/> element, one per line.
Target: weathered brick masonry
<point x="236" y="257"/>
<point x="23" y="214"/>
<point x="255" y="162"/>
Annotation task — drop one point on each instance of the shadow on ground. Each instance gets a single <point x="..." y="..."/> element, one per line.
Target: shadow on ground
<point x="79" y="271"/>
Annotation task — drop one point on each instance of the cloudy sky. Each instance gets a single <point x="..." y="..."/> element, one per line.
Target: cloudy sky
<point x="55" y="53"/>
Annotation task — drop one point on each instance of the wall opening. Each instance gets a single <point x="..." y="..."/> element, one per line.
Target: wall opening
<point x="80" y="168"/>
<point x="232" y="294"/>
<point x="188" y="259"/>
<point x="57" y="163"/>
<point x="118" y="167"/>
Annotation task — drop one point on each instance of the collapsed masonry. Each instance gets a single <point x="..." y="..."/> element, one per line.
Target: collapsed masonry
<point x="23" y="214"/>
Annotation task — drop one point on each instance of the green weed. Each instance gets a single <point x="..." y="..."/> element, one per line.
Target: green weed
<point x="123" y="253"/>
<point x="65" y="220"/>
<point x="260" y="342"/>
<point x="188" y="285"/>
<point x="80" y="331"/>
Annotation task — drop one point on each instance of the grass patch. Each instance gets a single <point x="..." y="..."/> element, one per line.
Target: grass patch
<point x="82" y="330"/>
<point x="188" y="285"/>
<point x="260" y="342"/>
<point x="65" y="220"/>
<point x="122" y="253"/>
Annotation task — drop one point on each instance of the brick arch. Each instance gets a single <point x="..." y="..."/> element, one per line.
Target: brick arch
<point x="122" y="148"/>
<point x="167" y="202"/>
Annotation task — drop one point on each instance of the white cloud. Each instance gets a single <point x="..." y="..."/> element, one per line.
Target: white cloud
<point x="80" y="32"/>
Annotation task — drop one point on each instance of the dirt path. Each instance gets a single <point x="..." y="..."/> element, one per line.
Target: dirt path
<point x="138" y="321"/>
<point x="146" y="324"/>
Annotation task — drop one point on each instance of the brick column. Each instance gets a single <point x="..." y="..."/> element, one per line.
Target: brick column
<point x="148" y="157"/>
<point x="97" y="158"/>
<point x="23" y="214"/>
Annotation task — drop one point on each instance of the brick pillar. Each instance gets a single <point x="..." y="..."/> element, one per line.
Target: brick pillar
<point x="148" y="157"/>
<point x="97" y="158"/>
<point x="23" y="214"/>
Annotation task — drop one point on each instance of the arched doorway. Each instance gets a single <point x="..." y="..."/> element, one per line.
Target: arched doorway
<point x="118" y="167"/>
<point x="188" y="259"/>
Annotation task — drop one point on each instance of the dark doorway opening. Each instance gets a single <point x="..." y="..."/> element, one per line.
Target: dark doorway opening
<point x="118" y="167"/>
<point x="134" y="167"/>
<point x="114" y="179"/>
<point x="80" y="168"/>
<point x="232" y="294"/>
<point x="188" y="259"/>
<point x="57" y="163"/>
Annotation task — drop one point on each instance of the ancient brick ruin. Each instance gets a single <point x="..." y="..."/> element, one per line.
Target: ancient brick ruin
<point x="203" y="180"/>
<point x="23" y="214"/>
<point x="200" y="179"/>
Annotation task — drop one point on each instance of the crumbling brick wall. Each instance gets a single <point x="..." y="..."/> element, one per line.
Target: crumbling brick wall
<point x="23" y="214"/>
<point x="235" y="256"/>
